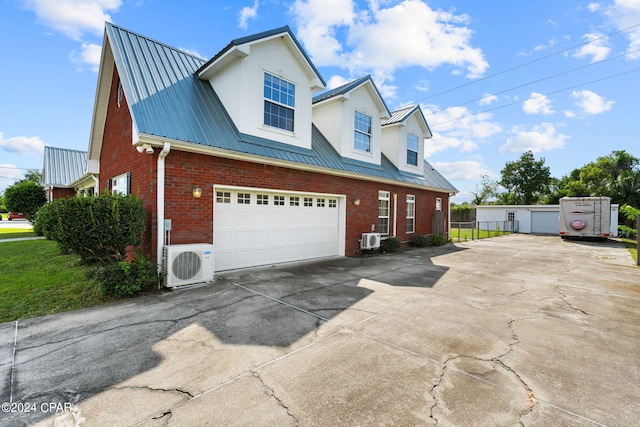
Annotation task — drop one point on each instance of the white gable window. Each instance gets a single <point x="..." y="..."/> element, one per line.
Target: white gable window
<point x="362" y="132"/>
<point x="279" y="102"/>
<point x="412" y="149"/>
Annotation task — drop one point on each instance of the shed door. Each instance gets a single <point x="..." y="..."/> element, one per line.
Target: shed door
<point x="255" y="227"/>
<point x="545" y="222"/>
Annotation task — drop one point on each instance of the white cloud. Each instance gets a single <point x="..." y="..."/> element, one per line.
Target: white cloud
<point x="537" y="104"/>
<point x="594" y="7"/>
<point x="590" y="102"/>
<point x="598" y="48"/>
<point x="379" y="40"/>
<point x="11" y="172"/>
<point x="24" y="145"/>
<point x="74" y="17"/>
<point x="551" y="43"/>
<point x="624" y="14"/>
<point x="336" y="81"/>
<point x="488" y="99"/>
<point x="89" y="55"/>
<point x="456" y="128"/>
<point x="467" y="170"/>
<point x="542" y="137"/>
<point x="248" y="13"/>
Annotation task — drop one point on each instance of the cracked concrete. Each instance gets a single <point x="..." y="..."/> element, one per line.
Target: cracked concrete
<point x="515" y="330"/>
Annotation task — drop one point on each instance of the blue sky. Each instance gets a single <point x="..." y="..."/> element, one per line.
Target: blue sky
<point x="494" y="78"/>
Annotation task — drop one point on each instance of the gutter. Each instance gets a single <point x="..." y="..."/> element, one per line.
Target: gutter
<point x="160" y="204"/>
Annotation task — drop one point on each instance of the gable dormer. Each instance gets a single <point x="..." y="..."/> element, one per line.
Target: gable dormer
<point x="266" y="82"/>
<point x="350" y="117"/>
<point x="403" y="136"/>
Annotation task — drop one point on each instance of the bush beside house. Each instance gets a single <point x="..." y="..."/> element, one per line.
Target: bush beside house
<point x="105" y="231"/>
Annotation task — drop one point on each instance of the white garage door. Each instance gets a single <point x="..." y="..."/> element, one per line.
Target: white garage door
<point x="545" y="222"/>
<point x="254" y="227"/>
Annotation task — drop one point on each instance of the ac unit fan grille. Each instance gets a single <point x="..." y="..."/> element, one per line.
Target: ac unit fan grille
<point x="186" y="265"/>
<point x="372" y="240"/>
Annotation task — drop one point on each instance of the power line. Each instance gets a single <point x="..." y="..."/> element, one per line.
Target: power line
<point x="14" y="167"/>
<point x="527" y="63"/>
<point x="535" y="97"/>
<point x="534" y="81"/>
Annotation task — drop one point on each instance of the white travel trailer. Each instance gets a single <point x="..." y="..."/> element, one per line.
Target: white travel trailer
<point x="585" y="217"/>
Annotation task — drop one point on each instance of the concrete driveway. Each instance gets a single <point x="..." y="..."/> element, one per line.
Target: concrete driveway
<point x="514" y="330"/>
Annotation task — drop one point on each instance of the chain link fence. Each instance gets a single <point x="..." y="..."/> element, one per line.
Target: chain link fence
<point x="472" y="230"/>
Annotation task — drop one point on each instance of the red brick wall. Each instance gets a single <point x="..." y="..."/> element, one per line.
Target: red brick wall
<point x="192" y="219"/>
<point x="60" y="193"/>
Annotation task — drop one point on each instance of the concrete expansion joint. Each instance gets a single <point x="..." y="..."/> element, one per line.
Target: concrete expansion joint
<point x="271" y="393"/>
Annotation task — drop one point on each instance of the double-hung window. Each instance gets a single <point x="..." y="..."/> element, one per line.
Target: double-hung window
<point x="362" y="132"/>
<point x="412" y="149"/>
<point x="383" y="212"/>
<point x="411" y="213"/>
<point x="279" y="102"/>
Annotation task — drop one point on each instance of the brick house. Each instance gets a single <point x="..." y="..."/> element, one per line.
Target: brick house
<point x="63" y="172"/>
<point x="237" y="151"/>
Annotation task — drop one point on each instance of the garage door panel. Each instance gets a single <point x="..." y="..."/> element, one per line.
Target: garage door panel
<point x="262" y="231"/>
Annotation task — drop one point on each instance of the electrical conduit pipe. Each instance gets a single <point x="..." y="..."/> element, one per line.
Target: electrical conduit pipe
<point x="160" y="204"/>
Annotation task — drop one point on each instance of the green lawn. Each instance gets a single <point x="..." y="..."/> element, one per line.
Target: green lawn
<point x="465" y="234"/>
<point x="36" y="279"/>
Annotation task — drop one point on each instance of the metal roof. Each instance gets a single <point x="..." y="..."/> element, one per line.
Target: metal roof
<point x="63" y="166"/>
<point x="348" y="87"/>
<point x="399" y="116"/>
<point x="166" y="99"/>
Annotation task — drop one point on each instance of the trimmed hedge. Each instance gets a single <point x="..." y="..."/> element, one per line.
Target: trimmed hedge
<point x="97" y="228"/>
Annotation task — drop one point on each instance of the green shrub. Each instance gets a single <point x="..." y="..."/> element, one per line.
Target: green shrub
<point x="97" y="228"/>
<point x="25" y="197"/>
<point x="127" y="278"/>
<point x="420" y="241"/>
<point x="625" y="231"/>
<point x="437" y="239"/>
<point x="390" y="244"/>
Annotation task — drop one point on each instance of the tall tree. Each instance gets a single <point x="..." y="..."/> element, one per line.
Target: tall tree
<point x="616" y="175"/>
<point x="525" y="180"/>
<point x="484" y="191"/>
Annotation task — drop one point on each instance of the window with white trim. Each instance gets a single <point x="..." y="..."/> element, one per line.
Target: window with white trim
<point x="333" y="203"/>
<point x="383" y="212"/>
<point x="120" y="184"/>
<point x="411" y="213"/>
<point x="413" y="142"/>
<point x="244" y="198"/>
<point x="308" y="201"/>
<point x="278" y="200"/>
<point x="438" y="204"/>
<point x="362" y="132"/>
<point x="511" y="216"/>
<point x="279" y="102"/>
<point x="320" y="203"/>
<point x="294" y="201"/>
<point x="223" y="197"/>
<point x="262" y="199"/>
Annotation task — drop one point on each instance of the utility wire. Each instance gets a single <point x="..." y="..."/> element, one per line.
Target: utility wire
<point x="528" y="63"/>
<point x="535" y="97"/>
<point x="534" y="81"/>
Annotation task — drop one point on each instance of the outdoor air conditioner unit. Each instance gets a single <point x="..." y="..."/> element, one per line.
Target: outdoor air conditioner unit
<point x="370" y="241"/>
<point x="187" y="264"/>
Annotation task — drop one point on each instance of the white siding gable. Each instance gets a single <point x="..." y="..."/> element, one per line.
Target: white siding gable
<point x="335" y="118"/>
<point x="394" y="143"/>
<point x="240" y="85"/>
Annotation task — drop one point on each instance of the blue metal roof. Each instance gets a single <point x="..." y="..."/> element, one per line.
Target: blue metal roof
<point x="166" y="99"/>
<point x="62" y="166"/>
<point x="348" y="87"/>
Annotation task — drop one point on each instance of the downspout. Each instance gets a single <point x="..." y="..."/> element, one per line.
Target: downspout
<point x="160" y="204"/>
<point x="448" y="217"/>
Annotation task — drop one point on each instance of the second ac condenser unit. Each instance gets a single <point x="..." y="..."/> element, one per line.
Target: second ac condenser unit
<point x="187" y="264"/>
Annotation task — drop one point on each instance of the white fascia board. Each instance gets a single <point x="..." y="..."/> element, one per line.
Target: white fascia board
<point x="177" y="145"/>
<point x="235" y="53"/>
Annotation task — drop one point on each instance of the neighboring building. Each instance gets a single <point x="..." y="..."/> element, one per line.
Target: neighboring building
<point x="535" y="219"/>
<point x="237" y="151"/>
<point x="61" y="171"/>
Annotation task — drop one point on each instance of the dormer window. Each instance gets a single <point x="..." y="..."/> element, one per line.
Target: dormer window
<point x="362" y="132"/>
<point x="412" y="149"/>
<point x="279" y="102"/>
